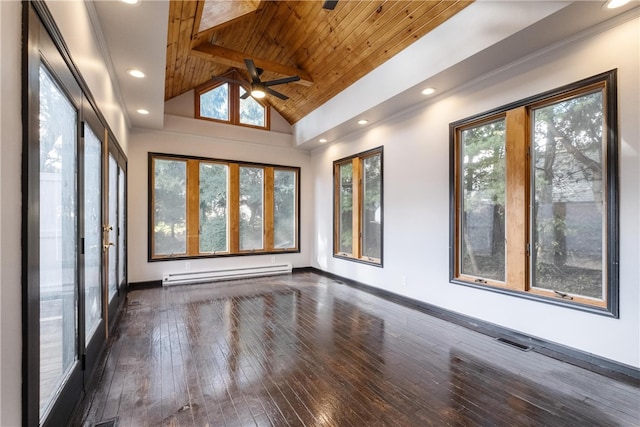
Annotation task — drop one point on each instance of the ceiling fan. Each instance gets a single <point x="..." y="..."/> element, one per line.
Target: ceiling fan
<point x="258" y="88"/>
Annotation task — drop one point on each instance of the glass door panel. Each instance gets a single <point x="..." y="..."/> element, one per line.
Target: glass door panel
<point x="92" y="232"/>
<point x="58" y="235"/>
<point x="121" y="227"/>
<point x="112" y="228"/>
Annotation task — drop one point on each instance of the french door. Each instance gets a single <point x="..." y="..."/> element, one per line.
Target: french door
<point x="74" y="245"/>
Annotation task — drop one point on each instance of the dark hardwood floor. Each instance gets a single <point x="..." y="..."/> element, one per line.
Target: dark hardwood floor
<point x="303" y="350"/>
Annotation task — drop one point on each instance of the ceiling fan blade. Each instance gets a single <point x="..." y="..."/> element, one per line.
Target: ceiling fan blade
<point x="245" y="95"/>
<point x="276" y="93"/>
<point x="253" y="71"/>
<point x="329" y="4"/>
<point x="282" y="81"/>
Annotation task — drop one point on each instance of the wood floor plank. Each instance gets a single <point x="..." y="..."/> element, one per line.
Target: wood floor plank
<point x="305" y="350"/>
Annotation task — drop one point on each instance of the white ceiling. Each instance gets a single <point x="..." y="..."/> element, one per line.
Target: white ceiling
<point x="136" y="36"/>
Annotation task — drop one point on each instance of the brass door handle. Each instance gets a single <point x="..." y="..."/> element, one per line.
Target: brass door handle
<point x="106" y="245"/>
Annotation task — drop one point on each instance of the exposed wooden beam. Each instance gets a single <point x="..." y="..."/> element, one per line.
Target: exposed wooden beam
<point x="236" y="59"/>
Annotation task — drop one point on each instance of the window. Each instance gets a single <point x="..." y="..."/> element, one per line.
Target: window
<point x="358" y="207"/>
<point x="207" y="207"/>
<point x="534" y="204"/>
<point x="226" y="100"/>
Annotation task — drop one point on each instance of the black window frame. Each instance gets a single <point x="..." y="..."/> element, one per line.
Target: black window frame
<point x="611" y="278"/>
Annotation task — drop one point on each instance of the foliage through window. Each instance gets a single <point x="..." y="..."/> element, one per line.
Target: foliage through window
<point x="358" y="207"/>
<point x="226" y="101"/>
<point x="534" y="209"/>
<point x="208" y="207"/>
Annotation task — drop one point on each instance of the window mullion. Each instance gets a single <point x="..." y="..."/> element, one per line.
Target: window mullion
<point x="516" y="203"/>
<point x="234" y="208"/>
<point x="234" y="103"/>
<point x="357" y="202"/>
<point x="268" y="218"/>
<point x="193" y="211"/>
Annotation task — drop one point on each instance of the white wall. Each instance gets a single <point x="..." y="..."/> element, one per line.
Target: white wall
<point x="416" y="197"/>
<point x="72" y="18"/>
<point x="188" y="136"/>
<point x="10" y="160"/>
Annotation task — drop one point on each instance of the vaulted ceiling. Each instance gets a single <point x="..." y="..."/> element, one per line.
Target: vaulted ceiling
<point x="328" y="49"/>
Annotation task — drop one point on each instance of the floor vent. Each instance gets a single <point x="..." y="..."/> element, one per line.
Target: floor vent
<point x="113" y="422"/>
<point x="515" y="344"/>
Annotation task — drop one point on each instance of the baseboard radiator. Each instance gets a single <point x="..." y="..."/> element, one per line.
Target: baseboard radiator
<point x="169" y="279"/>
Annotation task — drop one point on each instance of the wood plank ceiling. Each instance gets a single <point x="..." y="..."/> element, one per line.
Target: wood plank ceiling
<point x="328" y="49"/>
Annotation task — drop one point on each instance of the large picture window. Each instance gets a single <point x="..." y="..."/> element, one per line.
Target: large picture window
<point x="208" y="207"/>
<point x="534" y="203"/>
<point x="358" y="207"/>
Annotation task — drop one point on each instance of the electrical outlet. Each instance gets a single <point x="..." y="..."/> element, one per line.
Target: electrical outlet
<point x="403" y="280"/>
<point x="187" y="265"/>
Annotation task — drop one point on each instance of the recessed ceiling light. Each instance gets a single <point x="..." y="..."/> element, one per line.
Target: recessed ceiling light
<point x="135" y="73"/>
<point x="612" y="4"/>
<point x="363" y="122"/>
<point x="322" y="140"/>
<point x="130" y="1"/>
<point x="142" y="111"/>
<point x="429" y="91"/>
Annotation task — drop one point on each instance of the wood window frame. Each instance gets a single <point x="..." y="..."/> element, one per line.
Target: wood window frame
<point x="233" y="215"/>
<point x="231" y="78"/>
<point x="357" y="210"/>
<point x="518" y="197"/>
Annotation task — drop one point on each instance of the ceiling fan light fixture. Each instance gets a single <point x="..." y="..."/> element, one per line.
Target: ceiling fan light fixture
<point x="258" y="91"/>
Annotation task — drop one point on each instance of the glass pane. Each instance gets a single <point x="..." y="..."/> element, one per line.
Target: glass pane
<point x="345" y="209"/>
<point x="371" y="207"/>
<point x="58" y="238"/>
<point x="92" y="231"/>
<point x="169" y="207"/>
<point x="215" y="103"/>
<point x="122" y="233"/>
<point x="284" y="209"/>
<point x="251" y="208"/>
<point x="251" y="111"/>
<point x="482" y="225"/>
<point x="113" y="224"/>
<point x="213" y="207"/>
<point x="569" y="216"/>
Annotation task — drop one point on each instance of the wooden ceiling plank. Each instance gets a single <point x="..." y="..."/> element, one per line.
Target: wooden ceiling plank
<point x="236" y="59"/>
<point x="197" y="20"/>
<point x="374" y="58"/>
<point x="172" y="46"/>
<point x="353" y="62"/>
<point x="359" y="44"/>
<point x="252" y="31"/>
<point x="330" y="45"/>
<point x="274" y="45"/>
<point x="309" y="48"/>
<point x="303" y="21"/>
<point x="396" y="41"/>
<point x="184" y="42"/>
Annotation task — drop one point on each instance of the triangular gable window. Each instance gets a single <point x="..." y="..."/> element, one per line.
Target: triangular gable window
<point x="221" y="101"/>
